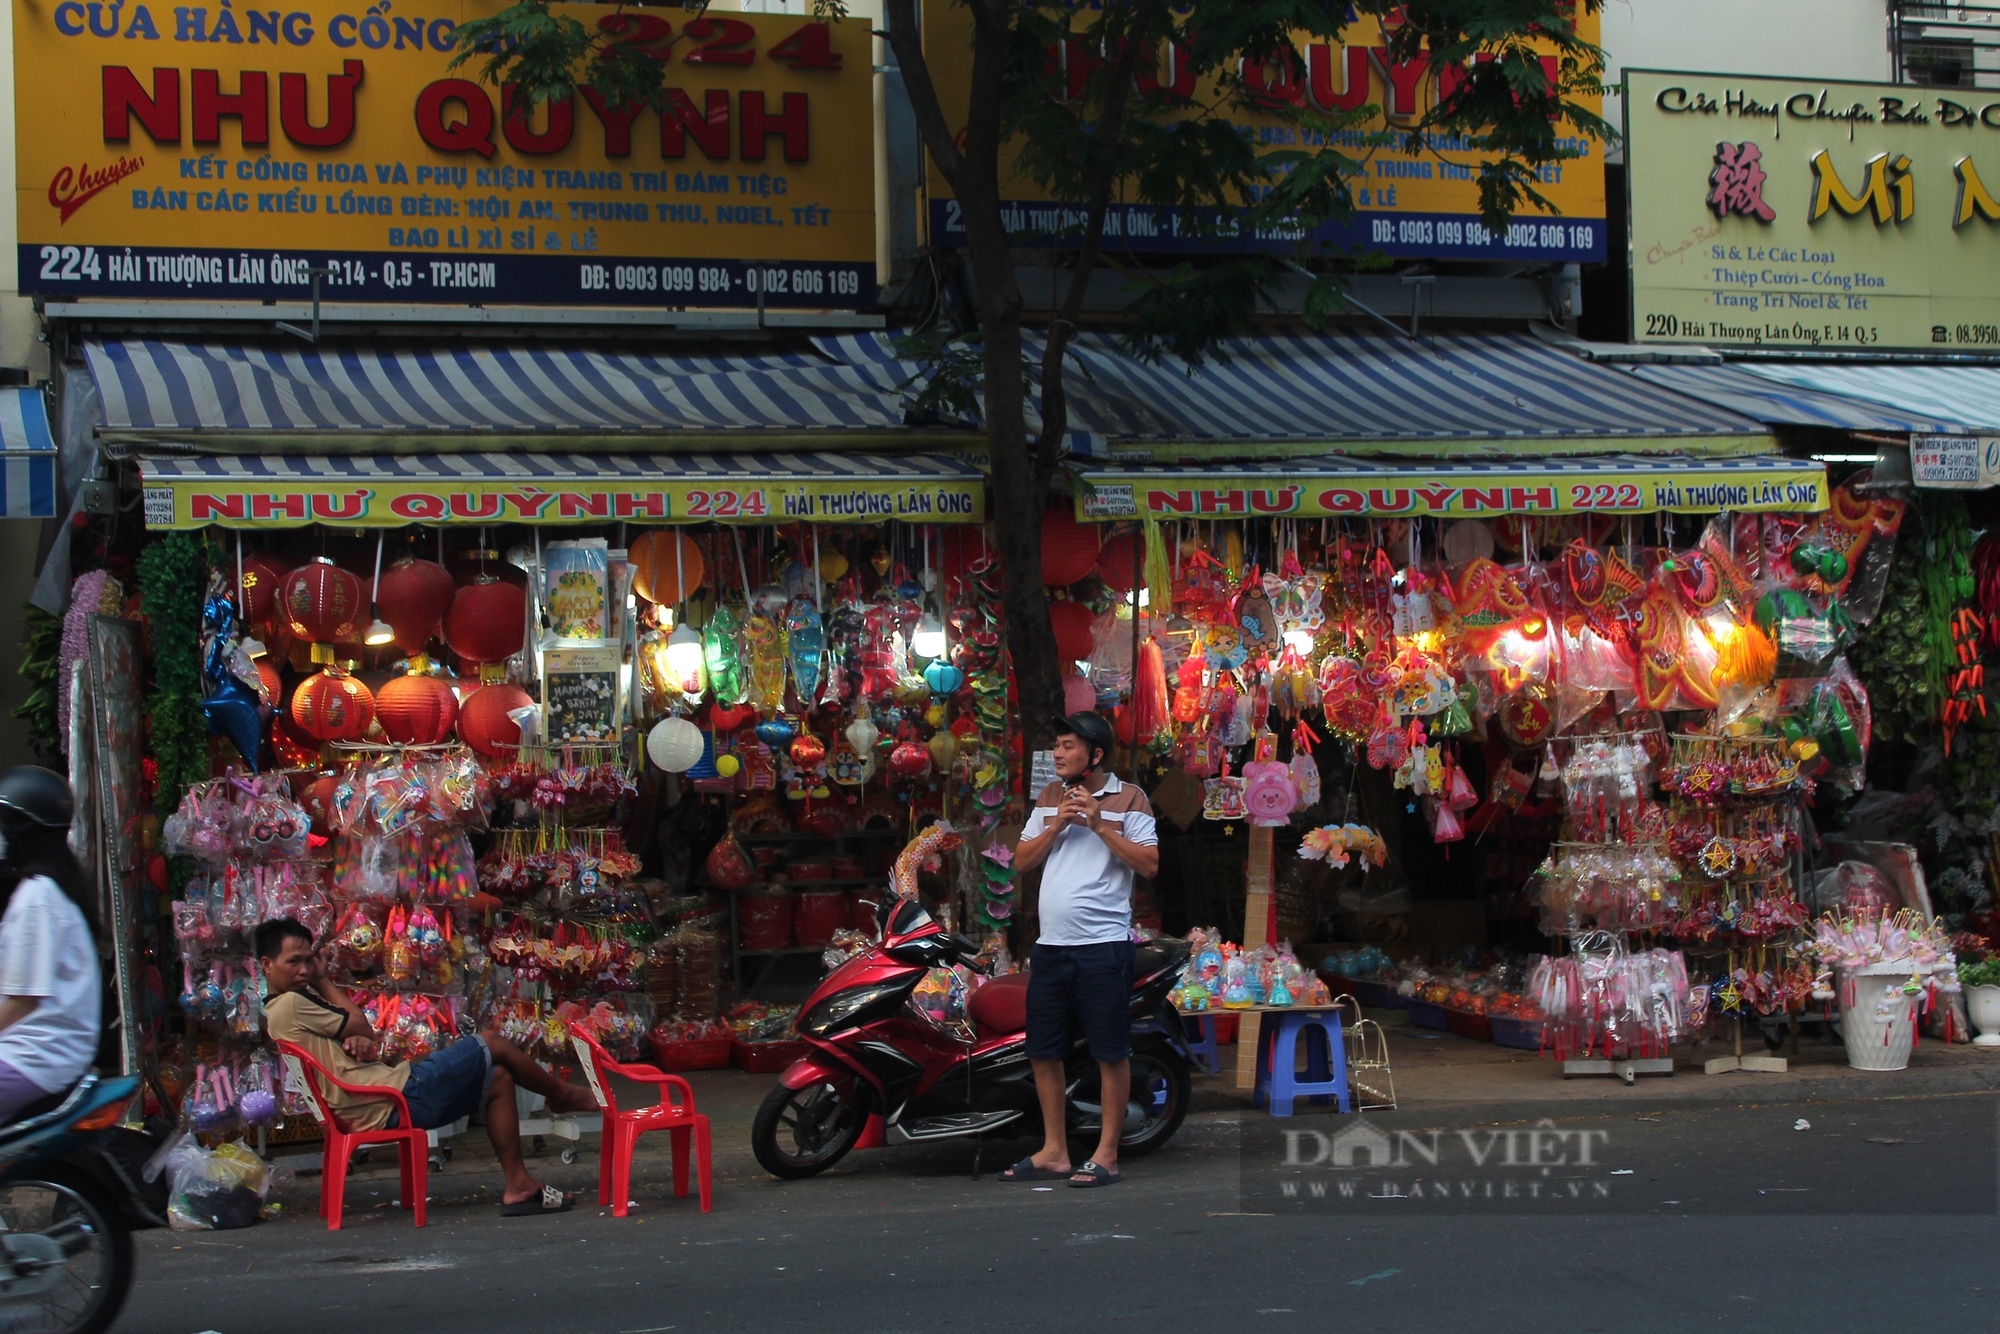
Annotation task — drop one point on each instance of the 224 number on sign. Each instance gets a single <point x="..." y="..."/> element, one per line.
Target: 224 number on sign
<point x="1624" y="496"/>
<point x="70" y="262"/>
<point x="726" y="505"/>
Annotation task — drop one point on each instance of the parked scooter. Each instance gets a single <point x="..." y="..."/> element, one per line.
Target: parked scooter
<point x="879" y="1073"/>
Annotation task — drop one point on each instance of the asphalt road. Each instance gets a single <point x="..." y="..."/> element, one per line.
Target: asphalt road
<point x="1649" y="1217"/>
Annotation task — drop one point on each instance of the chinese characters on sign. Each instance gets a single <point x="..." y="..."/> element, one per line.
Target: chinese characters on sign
<point x="1738" y="182"/>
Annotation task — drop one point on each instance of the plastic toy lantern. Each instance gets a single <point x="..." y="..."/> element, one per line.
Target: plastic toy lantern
<point x="323" y="605"/>
<point x="808" y="750"/>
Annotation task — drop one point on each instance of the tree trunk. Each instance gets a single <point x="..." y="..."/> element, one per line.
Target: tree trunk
<point x="973" y="171"/>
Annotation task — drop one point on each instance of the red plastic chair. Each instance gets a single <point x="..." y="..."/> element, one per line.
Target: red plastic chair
<point x="412" y="1143"/>
<point x="622" y="1129"/>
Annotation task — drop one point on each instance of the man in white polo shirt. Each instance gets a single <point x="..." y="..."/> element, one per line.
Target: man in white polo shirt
<point x="1095" y="833"/>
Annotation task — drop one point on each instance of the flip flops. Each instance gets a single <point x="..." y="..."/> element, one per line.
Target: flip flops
<point x="550" y="1201"/>
<point x="1097" y="1176"/>
<point x="1025" y="1170"/>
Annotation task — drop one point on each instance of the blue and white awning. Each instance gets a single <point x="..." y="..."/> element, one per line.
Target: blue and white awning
<point x="1945" y="400"/>
<point x="27" y="456"/>
<point x="1347" y="392"/>
<point x="157" y="386"/>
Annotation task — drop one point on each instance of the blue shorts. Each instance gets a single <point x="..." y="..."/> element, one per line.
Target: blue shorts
<point x="1080" y="988"/>
<point x="448" y="1084"/>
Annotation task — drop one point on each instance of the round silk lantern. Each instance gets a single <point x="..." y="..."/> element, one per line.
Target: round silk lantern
<point x="416" y="710"/>
<point x="412" y="596"/>
<point x="487" y="622"/>
<point x="1071" y="621"/>
<point x="943" y="747"/>
<point x="910" y="759"/>
<point x="483" y="723"/>
<point x="1115" y="562"/>
<point x="808" y="750"/>
<point x="655" y="576"/>
<point x="323" y="605"/>
<point x="674" y="744"/>
<point x="1078" y="697"/>
<point x="1069" y="548"/>
<point x="943" y="678"/>
<point x="333" y="706"/>
<point x="262" y="576"/>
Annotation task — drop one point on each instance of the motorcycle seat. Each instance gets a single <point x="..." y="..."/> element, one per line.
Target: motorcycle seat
<point x="1001" y="1006"/>
<point x="1147" y="960"/>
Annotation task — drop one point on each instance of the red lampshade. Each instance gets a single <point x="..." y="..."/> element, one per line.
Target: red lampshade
<point x="1114" y="561"/>
<point x="487" y="622"/>
<point x="417" y="710"/>
<point x="262" y="576"/>
<point x="322" y="603"/>
<point x="1071" y="621"/>
<point x="333" y="706"/>
<point x="411" y="597"/>
<point x="1069" y="548"/>
<point x="483" y="723"/>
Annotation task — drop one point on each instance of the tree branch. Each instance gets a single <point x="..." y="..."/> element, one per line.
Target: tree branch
<point x="906" y="40"/>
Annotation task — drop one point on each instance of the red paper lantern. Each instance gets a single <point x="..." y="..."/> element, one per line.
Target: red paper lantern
<point x="417" y="710"/>
<point x="294" y="749"/>
<point x="1069" y="548"/>
<point x="323" y="604"/>
<point x="412" y="595"/>
<point x="1114" y="561"/>
<point x="910" y="758"/>
<point x="333" y="706"/>
<point x="483" y="723"/>
<point x="1072" y="626"/>
<point x="267" y="672"/>
<point x="262" y="576"/>
<point x="487" y="622"/>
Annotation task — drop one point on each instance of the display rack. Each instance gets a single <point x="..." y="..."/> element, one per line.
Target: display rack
<point x="768" y="959"/>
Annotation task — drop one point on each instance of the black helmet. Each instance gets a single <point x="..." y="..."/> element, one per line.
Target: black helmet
<point x="32" y="795"/>
<point x="1090" y="728"/>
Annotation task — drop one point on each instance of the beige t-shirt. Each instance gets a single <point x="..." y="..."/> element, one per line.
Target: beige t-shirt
<point x="312" y="1022"/>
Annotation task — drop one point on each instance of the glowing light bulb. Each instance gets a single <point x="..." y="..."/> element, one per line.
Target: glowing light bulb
<point x="1299" y="641"/>
<point x="927" y="640"/>
<point x="684" y="657"/>
<point x="378" y="634"/>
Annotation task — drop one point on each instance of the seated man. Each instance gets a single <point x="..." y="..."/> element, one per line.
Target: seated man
<point x="307" y="1008"/>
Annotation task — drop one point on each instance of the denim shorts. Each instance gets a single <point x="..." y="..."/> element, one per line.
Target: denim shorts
<point x="448" y="1084"/>
<point x="1080" y="988"/>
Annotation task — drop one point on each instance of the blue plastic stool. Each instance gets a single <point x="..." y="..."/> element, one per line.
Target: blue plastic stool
<point x="1200" y="1029"/>
<point x="1278" y="1081"/>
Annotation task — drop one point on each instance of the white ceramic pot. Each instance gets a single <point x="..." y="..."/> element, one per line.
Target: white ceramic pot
<point x="1983" y="1004"/>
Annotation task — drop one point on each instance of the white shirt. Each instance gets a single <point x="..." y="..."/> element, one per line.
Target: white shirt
<point x="46" y="952"/>
<point x="1087" y="891"/>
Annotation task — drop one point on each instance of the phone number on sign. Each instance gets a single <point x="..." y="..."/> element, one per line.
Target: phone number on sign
<point x="699" y="278"/>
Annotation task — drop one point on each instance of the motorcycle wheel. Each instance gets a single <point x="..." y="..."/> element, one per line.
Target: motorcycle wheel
<point x="800" y="1133"/>
<point x="62" y="1219"/>
<point x="1161" y="1087"/>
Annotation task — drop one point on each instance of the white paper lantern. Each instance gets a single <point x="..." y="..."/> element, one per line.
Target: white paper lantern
<point x="862" y="734"/>
<point x="674" y="744"/>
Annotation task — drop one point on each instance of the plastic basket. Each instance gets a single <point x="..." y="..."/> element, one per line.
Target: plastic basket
<point x="1466" y="1024"/>
<point x="1511" y="1032"/>
<point x="764" y="1058"/>
<point x="1880" y="1027"/>
<point x="700" y="1054"/>
<point x="1427" y="1014"/>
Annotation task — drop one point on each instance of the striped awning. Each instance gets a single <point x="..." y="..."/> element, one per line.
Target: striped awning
<point x="27" y="456"/>
<point x="1349" y="392"/>
<point x="1331" y="487"/>
<point x="290" y="491"/>
<point x="1925" y="399"/>
<point x="161" y="389"/>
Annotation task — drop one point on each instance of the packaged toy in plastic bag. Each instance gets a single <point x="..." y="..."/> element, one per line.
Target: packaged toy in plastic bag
<point x="214" y="1189"/>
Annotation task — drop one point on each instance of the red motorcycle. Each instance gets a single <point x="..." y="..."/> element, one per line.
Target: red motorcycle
<point x="880" y="1072"/>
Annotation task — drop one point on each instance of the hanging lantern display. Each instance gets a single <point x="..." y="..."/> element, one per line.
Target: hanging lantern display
<point x="262" y="577"/>
<point x="483" y="723"/>
<point x="487" y="622"/>
<point x="1069" y="548"/>
<point x="808" y="751"/>
<point x="1071" y="621"/>
<point x="943" y="747"/>
<point x="416" y="710"/>
<point x="862" y="734"/>
<point x="412" y="596"/>
<point x="274" y="687"/>
<point x="674" y="744"/>
<point x="910" y="758"/>
<point x="943" y="678"/>
<point x="333" y="706"/>
<point x="323" y="605"/>
<point x="667" y="566"/>
<point x="1117" y="563"/>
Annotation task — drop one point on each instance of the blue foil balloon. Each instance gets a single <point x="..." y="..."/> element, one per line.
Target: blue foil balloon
<point x="231" y="708"/>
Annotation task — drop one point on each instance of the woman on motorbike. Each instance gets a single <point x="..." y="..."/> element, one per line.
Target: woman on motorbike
<point x="49" y="981"/>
